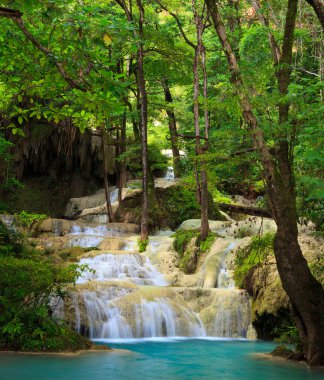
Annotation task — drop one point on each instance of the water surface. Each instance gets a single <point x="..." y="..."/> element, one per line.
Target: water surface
<point x="160" y="359"/>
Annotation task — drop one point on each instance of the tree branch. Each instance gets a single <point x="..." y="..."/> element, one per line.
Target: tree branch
<point x="273" y="43"/>
<point x="178" y="23"/>
<point x="15" y="16"/>
<point x="6" y="12"/>
<point x="318" y="6"/>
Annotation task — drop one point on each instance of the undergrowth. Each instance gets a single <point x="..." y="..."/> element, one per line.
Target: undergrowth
<point x="188" y="258"/>
<point x="248" y="258"/>
<point x="29" y="281"/>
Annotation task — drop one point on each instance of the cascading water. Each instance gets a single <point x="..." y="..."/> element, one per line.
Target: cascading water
<point x="124" y="296"/>
<point x="224" y="280"/>
<point x="106" y="318"/>
<point x="89" y="236"/>
<point x="133" y="268"/>
<point x="169" y="173"/>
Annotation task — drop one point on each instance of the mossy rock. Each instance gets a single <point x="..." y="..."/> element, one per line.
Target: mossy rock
<point x="168" y="207"/>
<point x="282" y="352"/>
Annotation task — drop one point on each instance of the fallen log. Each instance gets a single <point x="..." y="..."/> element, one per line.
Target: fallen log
<point x="255" y="211"/>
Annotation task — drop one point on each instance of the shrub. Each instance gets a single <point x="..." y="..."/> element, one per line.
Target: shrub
<point x="26" y="219"/>
<point x="182" y="239"/>
<point x="29" y="280"/>
<point x="142" y="244"/>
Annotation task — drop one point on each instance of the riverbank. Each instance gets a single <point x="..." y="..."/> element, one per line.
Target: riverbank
<point x="96" y="348"/>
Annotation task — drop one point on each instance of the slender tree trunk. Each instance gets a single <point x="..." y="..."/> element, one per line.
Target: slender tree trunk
<point x="204" y="178"/>
<point x="122" y="165"/>
<point x="121" y="138"/>
<point x="196" y="122"/>
<point x="304" y="291"/>
<point x="105" y="177"/>
<point x="201" y="175"/>
<point x="143" y="97"/>
<point x="172" y="129"/>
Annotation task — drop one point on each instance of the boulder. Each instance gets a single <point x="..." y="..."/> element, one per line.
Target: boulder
<point x="194" y="224"/>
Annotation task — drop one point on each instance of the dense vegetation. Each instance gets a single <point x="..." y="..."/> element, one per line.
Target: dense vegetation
<point x="29" y="284"/>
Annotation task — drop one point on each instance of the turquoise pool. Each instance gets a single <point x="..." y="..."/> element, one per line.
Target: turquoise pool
<point x="164" y="359"/>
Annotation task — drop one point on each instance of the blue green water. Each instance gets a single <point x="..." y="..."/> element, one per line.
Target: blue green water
<point x="172" y="360"/>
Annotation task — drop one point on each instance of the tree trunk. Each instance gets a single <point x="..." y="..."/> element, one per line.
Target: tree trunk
<point x="318" y="6"/>
<point x="143" y="97"/>
<point x="201" y="174"/>
<point x="172" y="129"/>
<point x="122" y="169"/>
<point x="105" y="177"/>
<point x="304" y="291"/>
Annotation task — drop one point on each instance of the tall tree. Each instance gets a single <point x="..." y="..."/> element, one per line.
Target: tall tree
<point x="304" y="291"/>
<point x="143" y="99"/>
<point x="141" y="103"/>
<point x="201" y="142"/>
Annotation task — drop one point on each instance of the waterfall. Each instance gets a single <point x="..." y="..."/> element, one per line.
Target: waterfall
<point x="124" y="296"/>
<point x="86" y="237"/>
<point x="224" y="280"/>
<point x="111" y="319"/>
<point x="169" y="175"/>
<point x="133" y="268"/>
<point x="232" y="316"/>
<point x="114" y="195"/>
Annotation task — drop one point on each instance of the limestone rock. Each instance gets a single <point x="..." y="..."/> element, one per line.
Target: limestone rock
<point x="194" y="224"/>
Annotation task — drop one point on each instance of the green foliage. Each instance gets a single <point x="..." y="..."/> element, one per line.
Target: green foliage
<point x="29" y="281"/>
<point x="317" y="268"/>
<point x="287" y="332"/>
<point x="157" y="161"/>
<point x="179" y="203"/>
<point x="189" y="258"/>
<point x="8" y="182"/>
<point x="26" y="219"/>
<point x="205" y="245"/>
<point x="5" y="149"/>
<point x="254" y="255"/>
<point x="219" y="197"/>
<point x="182" y="238"/>
<point x="132" y="157"/>
<point x="142" y="244"/>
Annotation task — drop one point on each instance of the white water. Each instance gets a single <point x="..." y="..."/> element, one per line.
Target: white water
<point x="224" y="280"/>
<point x="134" y="268"/>
<point x="114" y="195"/>
<point x="169" y="175"/>
<point x="87" y="237"/>
<point x="105" y="307"/>
<point x="158" y="318"/>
